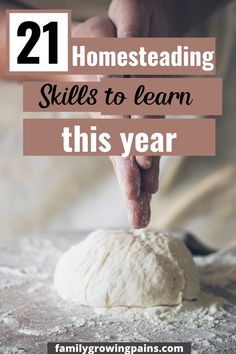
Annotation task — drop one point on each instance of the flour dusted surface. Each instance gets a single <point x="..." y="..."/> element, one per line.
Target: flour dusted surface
<point x="32" y="314"/>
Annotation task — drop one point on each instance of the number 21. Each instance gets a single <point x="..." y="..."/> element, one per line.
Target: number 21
<point x="51" y="28"/>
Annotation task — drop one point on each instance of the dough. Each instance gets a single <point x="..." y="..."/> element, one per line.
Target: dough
<point x="133" y="268"/>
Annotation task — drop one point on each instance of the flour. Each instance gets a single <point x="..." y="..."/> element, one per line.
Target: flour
<point x="201" y="314"/>
<point x="32" y="314"/>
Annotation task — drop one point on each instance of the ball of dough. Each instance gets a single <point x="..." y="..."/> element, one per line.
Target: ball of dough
<point x="133" y="268"/>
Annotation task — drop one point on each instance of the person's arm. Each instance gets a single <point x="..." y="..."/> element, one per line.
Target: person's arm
<point x="160" y="18"/>
<point x="157" y="18"/>
<point x="137" y="178"/>
<point x="185" y="15"/>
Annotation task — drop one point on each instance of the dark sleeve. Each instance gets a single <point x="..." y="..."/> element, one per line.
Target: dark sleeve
<point x="17" y="3"/>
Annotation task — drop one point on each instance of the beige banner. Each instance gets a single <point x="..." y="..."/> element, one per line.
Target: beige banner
<point x="143" y="96"/>
<point x="62" y="96"/>
<point x="104" y="137"/>
<point x="175" y="56"/>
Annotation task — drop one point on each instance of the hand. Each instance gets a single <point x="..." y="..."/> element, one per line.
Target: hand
<point x="151" y="18"/>
<point x="160" y="18"/>
<point x="135" y="18"/>
<point x="141" y="18"/>
<point x="138" y="177"/>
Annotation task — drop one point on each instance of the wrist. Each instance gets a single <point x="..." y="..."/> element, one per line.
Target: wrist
<point x="182" y="16"/>
<point x="179" y="16"/>
<point x="165" y="18"/>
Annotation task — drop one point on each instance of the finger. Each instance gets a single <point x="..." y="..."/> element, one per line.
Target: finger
<point x="150" y="177"/>
<point x="144" y="162"/>
<point x="139" y="211"/>
<point x="95" y="27"/>
<point x="99" y="115"/>
<point x="128" y="175"/>
<point x="131" y="18"/>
